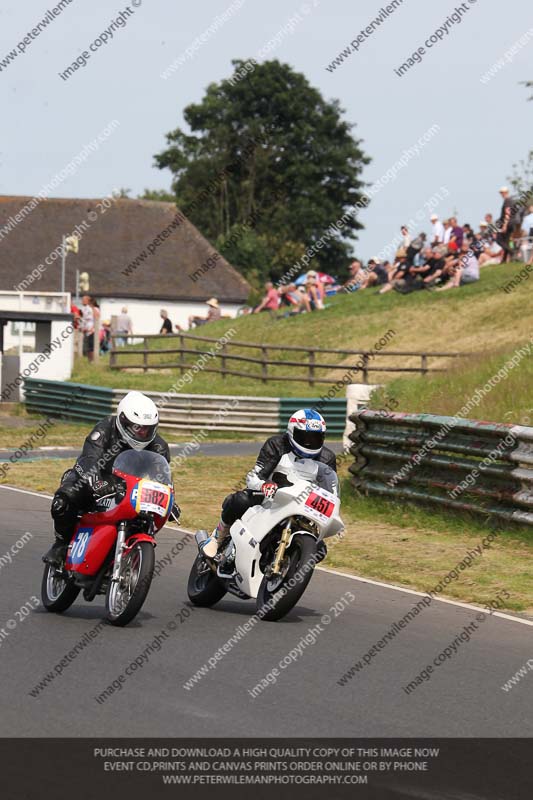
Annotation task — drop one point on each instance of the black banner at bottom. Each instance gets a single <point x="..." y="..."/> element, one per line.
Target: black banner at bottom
<point x="478" y="769"/>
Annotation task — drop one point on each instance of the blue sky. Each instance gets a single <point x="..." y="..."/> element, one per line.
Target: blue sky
<point x="482" y="127"/>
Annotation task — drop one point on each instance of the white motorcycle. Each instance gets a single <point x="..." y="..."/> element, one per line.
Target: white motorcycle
<point x="273" y="549"/>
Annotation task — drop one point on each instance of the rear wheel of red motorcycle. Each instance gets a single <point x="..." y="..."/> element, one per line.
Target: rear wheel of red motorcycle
<point x="124" y="597"/>
<point x="57" y="592"/>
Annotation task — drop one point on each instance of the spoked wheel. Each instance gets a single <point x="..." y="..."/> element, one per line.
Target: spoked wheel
<point x="58" y="591"/>
<point x="279" y="593"/>
<point x="204" y="587"/>
<point x="125" y="596"/>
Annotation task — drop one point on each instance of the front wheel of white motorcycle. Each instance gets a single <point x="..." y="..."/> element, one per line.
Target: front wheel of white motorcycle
<point x="278" y="594"/>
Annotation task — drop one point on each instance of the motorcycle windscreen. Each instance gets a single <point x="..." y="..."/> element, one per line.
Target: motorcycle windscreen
<point x="143" y="464"/>
<point x="327" y="479"/>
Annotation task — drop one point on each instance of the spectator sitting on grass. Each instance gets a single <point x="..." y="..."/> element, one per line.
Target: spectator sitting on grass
<point x="462" y="270"/>
<point x="213" y="314"/>
<point x="270" y="301"/>
<point x="315" y="291"/>
<point x="491" y="253"/>
<point x="377" y="274"/>
<point x="397" y="273"/>
<point x="293" y="301"/>
<point x="357" y="277"/>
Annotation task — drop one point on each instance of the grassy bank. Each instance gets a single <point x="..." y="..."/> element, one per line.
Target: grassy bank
<point x="411" y="547"/>
<point x="510" y="400"/>
<point x="479" y="318"/>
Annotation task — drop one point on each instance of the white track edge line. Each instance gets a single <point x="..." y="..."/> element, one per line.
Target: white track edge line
<point x="391" y="586"/>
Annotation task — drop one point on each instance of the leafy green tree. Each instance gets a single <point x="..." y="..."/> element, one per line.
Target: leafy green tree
<point x="159" y="195"/>
<point x="268" y="148"/>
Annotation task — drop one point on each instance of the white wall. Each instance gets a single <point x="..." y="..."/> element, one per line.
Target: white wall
<point x="41" y="302"/>
<point x="56" y="366"/>
<point x="145" y="313"/>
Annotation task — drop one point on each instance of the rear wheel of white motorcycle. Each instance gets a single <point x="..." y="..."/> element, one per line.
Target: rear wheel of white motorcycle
<point x="57" y="591"/>
<point x="204" y="588"/>
<point x="280" y="593"/>
<point x="124" y="597"/>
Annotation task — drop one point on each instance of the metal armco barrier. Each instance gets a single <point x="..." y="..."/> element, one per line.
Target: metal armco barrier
<point x="445" y="461"/>
<point x="75" y="401"/>
<point x="186" y="412"/>
<point x="333" y="411"/>
<point x="213" y="412"/>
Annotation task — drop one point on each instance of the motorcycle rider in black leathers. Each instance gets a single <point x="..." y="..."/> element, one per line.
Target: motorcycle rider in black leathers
<point x="133" y="427"/>
<point x="305" y="439"/>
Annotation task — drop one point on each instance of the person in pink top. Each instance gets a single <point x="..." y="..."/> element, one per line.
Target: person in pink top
<point x="270" y="301"/>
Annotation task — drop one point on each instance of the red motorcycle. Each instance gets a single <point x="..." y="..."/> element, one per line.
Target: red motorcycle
<point x="112" y="548"/>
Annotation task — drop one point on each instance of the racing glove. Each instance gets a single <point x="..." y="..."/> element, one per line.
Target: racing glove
<point x="269" y="489"/>
<point x="175" y="514"/>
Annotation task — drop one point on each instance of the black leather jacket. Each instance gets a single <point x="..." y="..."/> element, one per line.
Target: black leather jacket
<point x="270" y="456"/>
<point x="100" y="449"/>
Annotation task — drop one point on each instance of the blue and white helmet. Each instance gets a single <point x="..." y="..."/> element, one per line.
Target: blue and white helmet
<point x="306" y="431"/>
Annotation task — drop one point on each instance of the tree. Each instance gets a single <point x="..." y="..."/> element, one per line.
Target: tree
<point x="158" y="195"/>
<point x="522" y="178"/>
<point x="267" y="151"/>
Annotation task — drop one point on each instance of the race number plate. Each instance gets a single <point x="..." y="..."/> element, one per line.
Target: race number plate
<point x="320" y="504"/>
<point x="153" y="497"/>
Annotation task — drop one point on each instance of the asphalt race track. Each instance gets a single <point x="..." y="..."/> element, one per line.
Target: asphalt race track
<point x="463" y="697"/>
<point x="203" y="449"/>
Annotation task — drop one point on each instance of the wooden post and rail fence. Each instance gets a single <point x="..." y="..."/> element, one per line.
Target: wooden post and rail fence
<point x="141" y="355"/>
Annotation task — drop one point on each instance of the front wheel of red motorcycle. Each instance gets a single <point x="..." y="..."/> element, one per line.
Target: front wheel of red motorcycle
<point x="126" y="595"/>
<point x="58" y="592"/>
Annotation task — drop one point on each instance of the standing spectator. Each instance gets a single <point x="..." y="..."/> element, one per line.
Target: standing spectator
<point x="457" y="233"/>
<point x="166" y="327"/>
<point x="213" y="314"/>
<point x="505" y="224"/>
<point x="447" y="231"/>
<point x="415" y="247"/>
<point x="527" y="233"/>
<point x="270" y="301"/>
<point x="406" y="237"/>
<point x="437" y="234"/>
<point x="124" y="326"/>
<point x="87" y="326"/>
<point x="468" y="233"/>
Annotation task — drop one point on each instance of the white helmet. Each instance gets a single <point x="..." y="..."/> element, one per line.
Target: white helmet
<point x="137" y="420"/>
<point x="306" y="431"/>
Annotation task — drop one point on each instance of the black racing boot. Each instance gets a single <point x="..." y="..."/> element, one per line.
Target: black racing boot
<point x="57" y="553"/>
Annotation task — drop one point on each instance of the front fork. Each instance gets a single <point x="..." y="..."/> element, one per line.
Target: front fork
<point x="119" y="550"/>
<point x="282" y="546"/>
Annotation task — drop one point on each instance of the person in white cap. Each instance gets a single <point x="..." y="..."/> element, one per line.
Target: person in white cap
<point x="213" y="314"/>
<point x="438" y="230"/>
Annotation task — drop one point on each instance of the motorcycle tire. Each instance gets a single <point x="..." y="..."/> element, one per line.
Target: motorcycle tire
<point x="302" y="551"/>
<point x="142" y="558"/>
<point x="57" y="593"/>
<point x="203" y="587"/>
